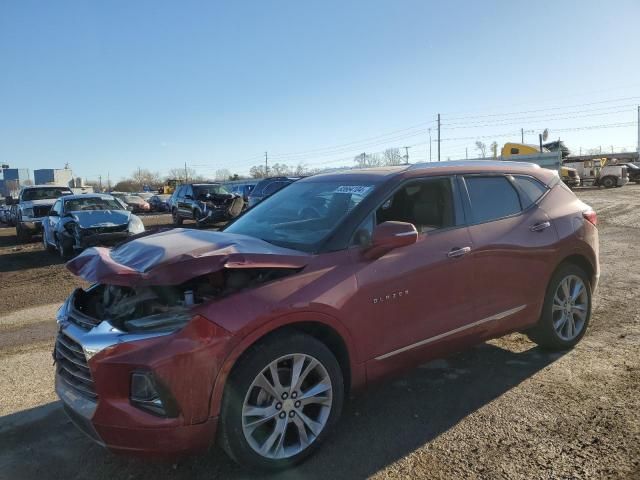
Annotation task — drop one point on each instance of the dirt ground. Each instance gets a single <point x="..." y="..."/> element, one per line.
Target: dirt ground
<point x="504" y="409"/>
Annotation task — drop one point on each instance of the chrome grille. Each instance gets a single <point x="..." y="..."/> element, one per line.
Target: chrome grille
<point x="72" y="366"/>
<point x="83" y="321"/>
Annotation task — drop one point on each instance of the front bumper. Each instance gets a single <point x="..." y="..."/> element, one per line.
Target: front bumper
<point x="96" y="239"/>
<point x="33" y="225"/>
<point x="185" y="362"/>
<point x="172" y="441"/>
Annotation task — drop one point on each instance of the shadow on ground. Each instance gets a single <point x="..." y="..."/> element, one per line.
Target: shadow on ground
<point x="375" y="430"/>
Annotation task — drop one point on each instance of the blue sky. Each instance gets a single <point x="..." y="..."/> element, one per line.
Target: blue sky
<point x="114" y="85"/>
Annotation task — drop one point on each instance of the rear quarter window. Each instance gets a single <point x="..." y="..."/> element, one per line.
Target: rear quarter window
<point x="530" y="189"/>
<point x="492" y="198"/>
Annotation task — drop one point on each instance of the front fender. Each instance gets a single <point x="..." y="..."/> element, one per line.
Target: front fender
<point x="358" y="375"/>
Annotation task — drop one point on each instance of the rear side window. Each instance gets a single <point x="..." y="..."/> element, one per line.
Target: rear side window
<point x="492" y="198"/>
<point x="274" y="187"/>
<point x="530" y="189"/>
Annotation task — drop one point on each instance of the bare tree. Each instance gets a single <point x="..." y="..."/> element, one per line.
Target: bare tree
<point x="494" y="149"/>
<point x="279" y="170"/>
<point x="482" y="149"/>
<point x="223" y="174"/>
<point x="143" y="177"/>
<point x="392" y="156"/>
<point x="367" y="160"/>
<point x="258" y="171"/>
<point x="179" y="174"/>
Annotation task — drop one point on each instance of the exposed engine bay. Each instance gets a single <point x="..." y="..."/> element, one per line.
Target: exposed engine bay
<point x="166" y="307"/>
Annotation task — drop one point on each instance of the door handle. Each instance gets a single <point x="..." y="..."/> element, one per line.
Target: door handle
<point x="538" y="227"/>
<point x="458" y="252"/>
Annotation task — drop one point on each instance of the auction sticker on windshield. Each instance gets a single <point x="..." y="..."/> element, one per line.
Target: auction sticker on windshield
<point x="354" y="189"/>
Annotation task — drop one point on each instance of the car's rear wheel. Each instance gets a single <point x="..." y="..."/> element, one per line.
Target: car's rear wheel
<point x="177" y="219"/>
<point x="566" y="311"/>
<point x="281" y="401"/>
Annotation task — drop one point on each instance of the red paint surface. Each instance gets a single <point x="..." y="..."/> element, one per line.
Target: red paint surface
<point x="375" y="306"/>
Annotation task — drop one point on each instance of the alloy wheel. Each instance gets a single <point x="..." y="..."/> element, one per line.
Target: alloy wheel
<point x="287" y="406"/>
<point x="570" y="307"/>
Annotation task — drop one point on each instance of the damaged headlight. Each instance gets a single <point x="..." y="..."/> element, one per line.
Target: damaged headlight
<point x="135" y="225"/>
<point x="159" y="322"/>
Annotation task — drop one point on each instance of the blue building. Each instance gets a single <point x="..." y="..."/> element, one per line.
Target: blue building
<point x="13" y="179"/>
<point x="53" y="176"/>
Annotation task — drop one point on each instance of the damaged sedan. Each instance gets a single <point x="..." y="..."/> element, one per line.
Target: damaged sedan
<point x="253" y="337"/>
<point x="76" y="222"/>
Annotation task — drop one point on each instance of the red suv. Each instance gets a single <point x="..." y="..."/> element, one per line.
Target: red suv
<point x="255" y="335"/>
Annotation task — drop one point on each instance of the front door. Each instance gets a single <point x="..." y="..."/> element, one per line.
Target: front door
<point x="418" y="296"/>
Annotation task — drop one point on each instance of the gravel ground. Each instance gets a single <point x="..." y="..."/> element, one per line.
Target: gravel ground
<point x="504" y="409"/>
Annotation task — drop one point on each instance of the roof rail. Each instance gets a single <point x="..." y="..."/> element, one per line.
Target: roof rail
<point x="472" y="163"/>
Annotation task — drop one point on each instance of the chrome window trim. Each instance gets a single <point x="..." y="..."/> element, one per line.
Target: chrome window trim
<point x="497" y="316"/>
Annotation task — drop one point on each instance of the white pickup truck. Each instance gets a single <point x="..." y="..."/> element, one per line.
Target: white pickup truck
<point x="600" y="173"/>
<point x="34" y="203"/>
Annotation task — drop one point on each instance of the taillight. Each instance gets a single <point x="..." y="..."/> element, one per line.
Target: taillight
<point x="591" y="217"/>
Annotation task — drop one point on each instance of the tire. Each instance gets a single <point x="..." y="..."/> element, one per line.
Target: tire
<point x="284" y="349"/>
<point x="46" y="245"/>
<point x="177" y="219"/>
<point x="609" y="182"/>
<point x="553" y="331"/>
<point x="22" y="234"/>
<point x="64" y="248"/>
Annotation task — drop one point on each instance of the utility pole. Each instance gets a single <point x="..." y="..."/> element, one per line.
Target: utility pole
<point x="406" y="156"/>
<point x="466" y="153"/>
<point x="430" y="144"/>
<point x="611" y="148"/>
<point x="522" y="135"/>
<point x="600" y="148"/>
<point x="266" y="164"/>
<point x="438" y="137"/>
<point x="108" y="181"/>
<point x="638" y="129"/>
<point x="100" y="182"/>
<point x="186" y="176"/>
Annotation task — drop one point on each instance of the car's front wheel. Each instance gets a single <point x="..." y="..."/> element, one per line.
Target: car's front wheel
<point x="281" y="401"/>
<point x="177" y="219"/>
<point x="566" y="310"/>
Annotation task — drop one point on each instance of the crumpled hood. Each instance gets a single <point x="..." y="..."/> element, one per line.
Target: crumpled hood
<point x="174" y="256"/>
<point x="101" y="218"/>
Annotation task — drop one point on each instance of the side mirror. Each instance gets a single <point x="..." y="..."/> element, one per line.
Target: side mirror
<point x="390" y="235"/>
<point x="130" y="208"/>
<point x="188" y="197"/>
<point x="53" y="213"/>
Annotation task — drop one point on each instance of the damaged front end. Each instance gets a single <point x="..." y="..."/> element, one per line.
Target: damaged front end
<point x="164" y="308"/>
<point x="140" y="349"/>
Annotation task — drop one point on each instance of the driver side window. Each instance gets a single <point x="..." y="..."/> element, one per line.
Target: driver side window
<point x="427" y="204"/>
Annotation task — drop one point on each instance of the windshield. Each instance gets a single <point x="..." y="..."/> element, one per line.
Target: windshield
<point x="50" y="193"/>
<point x="203" y="190"/>
<point x="91" y="203"/>
<point x="301" y="215"/>
<point x="133" y="199"/>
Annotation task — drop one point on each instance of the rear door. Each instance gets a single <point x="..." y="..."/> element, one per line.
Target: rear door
<point x="512" y="239"/>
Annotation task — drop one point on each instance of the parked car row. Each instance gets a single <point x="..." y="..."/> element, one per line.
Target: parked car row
<point x="255" y="335"/>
